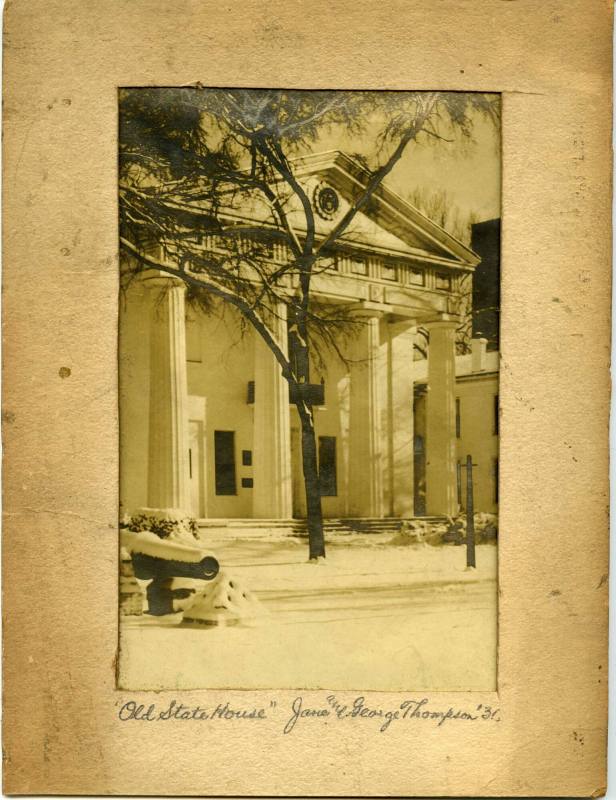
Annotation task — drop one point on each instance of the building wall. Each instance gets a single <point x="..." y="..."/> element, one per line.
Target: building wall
<point x="332" y="419"/>
<point x="220" y="364"/>
<point x="478" y="438"/>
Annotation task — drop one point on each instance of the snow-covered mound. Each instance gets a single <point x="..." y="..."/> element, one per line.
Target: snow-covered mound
<point x="411" y="533"/>
<point x="486" y="528"/>
<point x="149" y="544"/>
<point x="224" y="601"/>
<point x="450" y="531"/>
<point x="155" y="531"/>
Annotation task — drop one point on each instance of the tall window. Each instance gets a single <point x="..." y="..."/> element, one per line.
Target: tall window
<point x="496" y="414"/>
<point x="458" y="419"/>
<point x="495" y="478"/>
<point x="327" y="466"/>
<point x="224" y="462"/>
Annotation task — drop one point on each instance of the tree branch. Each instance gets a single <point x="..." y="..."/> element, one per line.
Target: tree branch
<point x="250" y="313"/>
<point x="375" y="181"/>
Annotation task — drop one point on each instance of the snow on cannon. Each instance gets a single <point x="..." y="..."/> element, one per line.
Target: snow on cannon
<point x="165" y="552"/>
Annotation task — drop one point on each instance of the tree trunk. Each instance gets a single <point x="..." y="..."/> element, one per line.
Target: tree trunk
<point x="314" y="513"/>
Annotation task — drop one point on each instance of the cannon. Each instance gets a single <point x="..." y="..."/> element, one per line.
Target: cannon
<point x="161" y="561"/>
<point x="160" y="591"/>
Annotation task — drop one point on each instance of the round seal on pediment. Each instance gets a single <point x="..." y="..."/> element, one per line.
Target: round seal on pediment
<point x="326" y="201"/>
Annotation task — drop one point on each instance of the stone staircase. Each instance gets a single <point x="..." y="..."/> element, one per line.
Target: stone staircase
<point x="297" y="527"/>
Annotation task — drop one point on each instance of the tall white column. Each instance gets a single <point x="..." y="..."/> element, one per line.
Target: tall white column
<point x="272" y="492"/>
<point x="441" y="487"/>
<point x="401" y="494"/>
<point x="168" y="477"/>
<point x="365" y="464"/>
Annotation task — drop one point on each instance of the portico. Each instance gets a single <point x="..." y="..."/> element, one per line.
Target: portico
<point x="207" y="410"/>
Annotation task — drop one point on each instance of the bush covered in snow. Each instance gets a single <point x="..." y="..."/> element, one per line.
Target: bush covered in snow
<point x="486" y="528"/>
<point x="161" y="524"/>
<point x="450" y="531"/>
<point x="411" y="532"/>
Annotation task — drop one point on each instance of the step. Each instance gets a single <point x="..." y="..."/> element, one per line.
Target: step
<point x="337" y="525"/>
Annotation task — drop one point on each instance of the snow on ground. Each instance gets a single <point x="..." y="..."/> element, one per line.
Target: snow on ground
<point x="370" y="616"/>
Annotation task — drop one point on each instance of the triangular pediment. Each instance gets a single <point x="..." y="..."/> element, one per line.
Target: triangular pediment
<point x="388" y="224"/>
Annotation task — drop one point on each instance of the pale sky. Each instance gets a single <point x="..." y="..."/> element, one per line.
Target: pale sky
<point x="470" y="172"/>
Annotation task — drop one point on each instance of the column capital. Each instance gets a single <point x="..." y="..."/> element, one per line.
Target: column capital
<point x="366" y="308"/>
<point x="442" y="321"/>
<point x="155" y="279"/>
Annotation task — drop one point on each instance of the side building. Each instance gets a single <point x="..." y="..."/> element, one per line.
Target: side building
<point x="476" y="427"/>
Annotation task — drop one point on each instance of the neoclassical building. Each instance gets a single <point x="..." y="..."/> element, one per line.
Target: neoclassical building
<point x="206" y="422"/>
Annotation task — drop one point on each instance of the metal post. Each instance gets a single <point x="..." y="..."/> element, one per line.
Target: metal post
<point x="470" y="522"/>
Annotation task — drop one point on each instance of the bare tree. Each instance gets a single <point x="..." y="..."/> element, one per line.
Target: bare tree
<point x="438" y="206"/>
<point x="208" y="194"/>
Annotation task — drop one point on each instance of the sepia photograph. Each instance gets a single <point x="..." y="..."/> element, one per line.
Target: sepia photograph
<point x="306" y="357"/>
<point x="309" y="389"/>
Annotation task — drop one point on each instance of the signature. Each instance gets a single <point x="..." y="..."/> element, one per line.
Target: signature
<point x="407" y="710"/>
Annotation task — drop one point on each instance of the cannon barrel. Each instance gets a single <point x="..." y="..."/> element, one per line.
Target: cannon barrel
<point x="160" y="591"/>
<point x="153" y="567"/>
